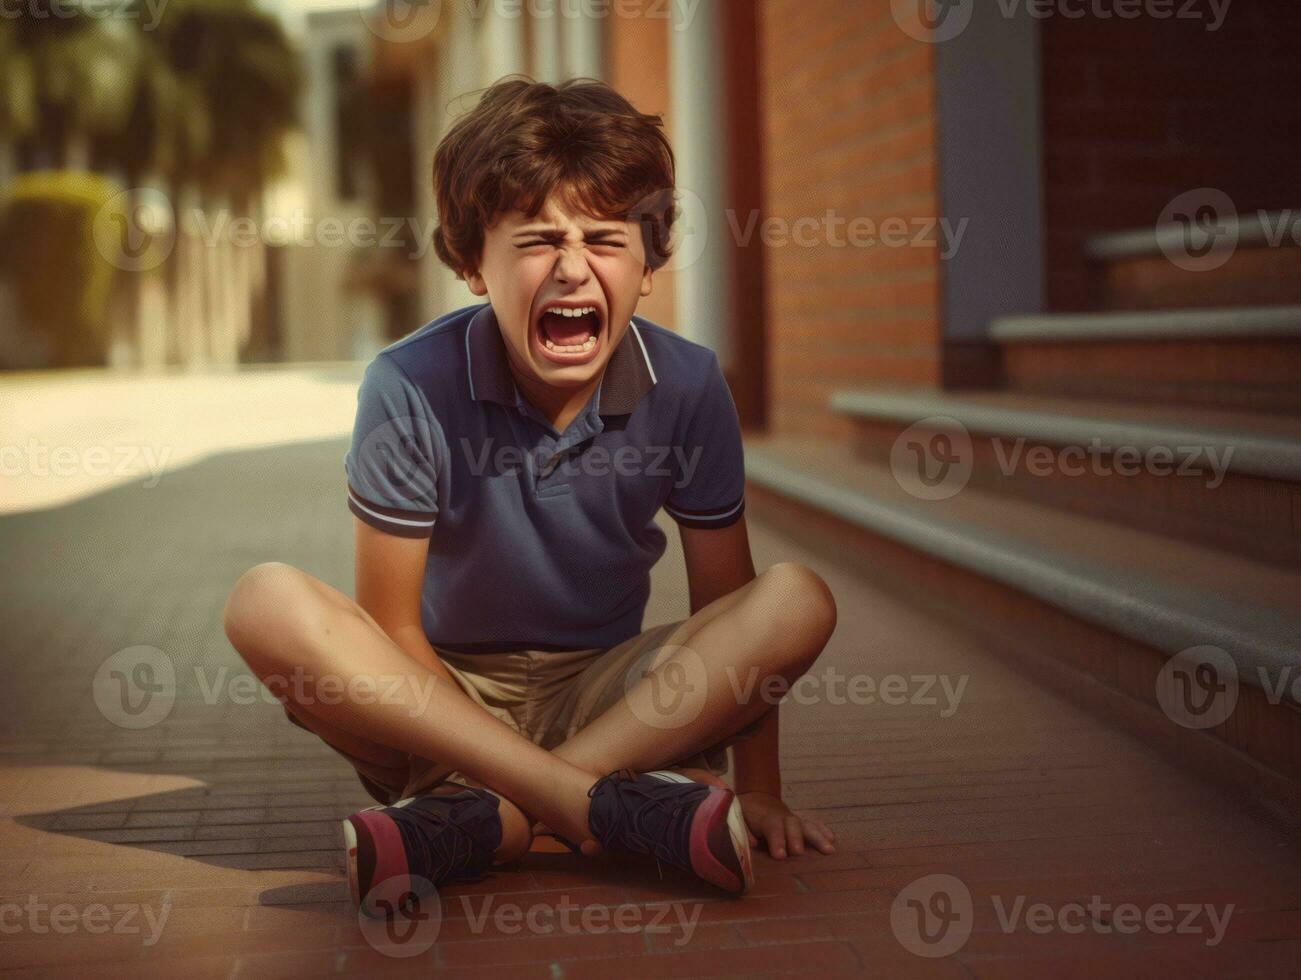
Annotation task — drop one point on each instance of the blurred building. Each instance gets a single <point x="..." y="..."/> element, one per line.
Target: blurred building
<point x="326" y="203"/>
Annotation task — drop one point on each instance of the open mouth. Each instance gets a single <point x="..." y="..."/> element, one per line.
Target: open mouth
<point x="569" y="333"/>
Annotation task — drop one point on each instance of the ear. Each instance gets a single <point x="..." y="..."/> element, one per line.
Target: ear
<point x="477" y="286"/>
<point x="646" y="277"/>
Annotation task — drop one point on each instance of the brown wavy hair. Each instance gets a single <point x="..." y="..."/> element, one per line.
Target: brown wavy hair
<point x="525" y="139"/>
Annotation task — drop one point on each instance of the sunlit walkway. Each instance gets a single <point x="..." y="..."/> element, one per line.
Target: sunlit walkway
<point x="205" y="843"/>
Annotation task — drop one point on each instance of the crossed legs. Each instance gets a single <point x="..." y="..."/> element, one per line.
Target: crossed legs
<point x="283" y="621"/>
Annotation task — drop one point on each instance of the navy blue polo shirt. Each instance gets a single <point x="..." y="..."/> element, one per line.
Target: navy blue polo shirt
<point x="540" y="539"/>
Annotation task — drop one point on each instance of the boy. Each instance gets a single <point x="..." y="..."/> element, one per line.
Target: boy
<point x="504" y="472"/>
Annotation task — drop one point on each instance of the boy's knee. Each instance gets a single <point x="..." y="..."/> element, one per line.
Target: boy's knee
<point x="265" y="601"/>
<point x="802" y="598"/>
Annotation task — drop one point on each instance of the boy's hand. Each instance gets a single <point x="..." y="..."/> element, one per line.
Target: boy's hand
<point x="782" y="830"/>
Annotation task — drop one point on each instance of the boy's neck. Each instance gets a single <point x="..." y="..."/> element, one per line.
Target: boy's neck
<point x="560" y="405"/>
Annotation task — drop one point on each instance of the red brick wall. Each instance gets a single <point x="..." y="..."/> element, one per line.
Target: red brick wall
<point x="848" y="124"/>
<point x="1138" y="111"/>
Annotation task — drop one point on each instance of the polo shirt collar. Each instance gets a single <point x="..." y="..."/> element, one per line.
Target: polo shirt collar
<point x="628" y="375"/>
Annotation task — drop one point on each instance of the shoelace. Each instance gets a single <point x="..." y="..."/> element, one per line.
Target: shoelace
<point x="628" y="821"/>
<point x="440" y="846"/>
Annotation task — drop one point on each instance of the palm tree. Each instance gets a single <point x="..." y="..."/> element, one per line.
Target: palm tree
<point x="83" y="68"/>
<point x="247" y="76"/>
<point x="197" y="106"/>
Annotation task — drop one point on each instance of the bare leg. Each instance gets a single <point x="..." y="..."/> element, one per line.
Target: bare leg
<point x="280" y="621"/>
<point x="776" y="624"/>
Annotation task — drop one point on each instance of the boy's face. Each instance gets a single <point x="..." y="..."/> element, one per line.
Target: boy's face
<point x="561" y="259"/>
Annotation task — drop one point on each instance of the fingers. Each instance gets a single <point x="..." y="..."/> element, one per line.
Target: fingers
<point x="795" y="834"/>
<point x="788" y="833"/>
<point x="820" y="836"/>
<point x="774" y="835"/>
<point x="783" y="832"/>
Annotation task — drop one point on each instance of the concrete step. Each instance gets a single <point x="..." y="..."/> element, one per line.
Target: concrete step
<point x="1227" y="479"/>
<point x="1246" y="358"/>
<point x="1111" y="615"/>
<point x="1258" y="262"/>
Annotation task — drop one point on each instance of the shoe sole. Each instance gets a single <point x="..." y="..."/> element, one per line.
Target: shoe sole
<point x="720" y="815"/>
<point x="350" y="861"/>
<point x="382" y="843"/>
<point x="741" y="841"/>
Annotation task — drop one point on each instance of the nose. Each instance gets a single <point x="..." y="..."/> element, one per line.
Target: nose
<point x="571" y="267"/>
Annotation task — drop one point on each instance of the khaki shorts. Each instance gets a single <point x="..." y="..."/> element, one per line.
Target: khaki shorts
<point x="548" y="696"/>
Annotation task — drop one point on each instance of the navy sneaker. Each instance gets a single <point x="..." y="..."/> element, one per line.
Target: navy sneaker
<point x="441" y="839"/>
<point x="690" y="825"/>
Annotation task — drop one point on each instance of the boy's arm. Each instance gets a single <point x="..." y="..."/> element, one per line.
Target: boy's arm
<point x="719" y="562"/>
<point x="389" y="573"/>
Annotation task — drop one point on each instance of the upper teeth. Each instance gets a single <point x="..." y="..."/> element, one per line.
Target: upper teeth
<point x="569" y="311"/>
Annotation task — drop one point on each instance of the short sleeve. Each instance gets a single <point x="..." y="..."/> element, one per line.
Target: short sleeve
<point x="709" y="489"/>
<point x="396" y="455"/>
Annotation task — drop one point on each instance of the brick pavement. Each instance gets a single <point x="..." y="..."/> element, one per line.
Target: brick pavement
<point x="224" y="819"/>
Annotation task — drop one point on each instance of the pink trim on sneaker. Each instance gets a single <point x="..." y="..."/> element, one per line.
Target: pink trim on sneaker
<point x="390" y="854"/>
<point x="703" y="862"/>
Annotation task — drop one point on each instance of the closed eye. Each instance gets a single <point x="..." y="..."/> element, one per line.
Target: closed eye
<point x="601" y="242"/>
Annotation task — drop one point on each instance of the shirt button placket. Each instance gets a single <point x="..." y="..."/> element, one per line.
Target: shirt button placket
<point x="546" y="460"/>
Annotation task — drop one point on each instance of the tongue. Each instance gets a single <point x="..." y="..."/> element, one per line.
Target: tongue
<point x="567" y="330"/>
